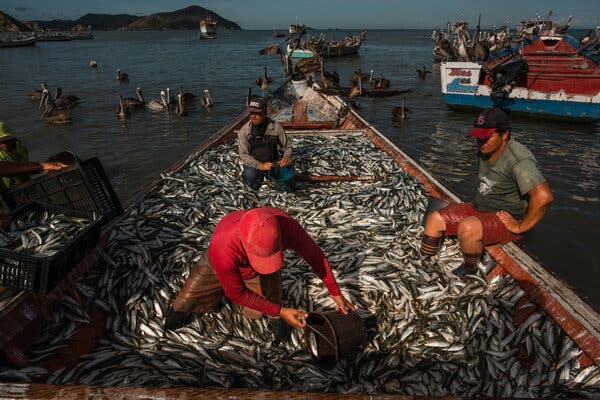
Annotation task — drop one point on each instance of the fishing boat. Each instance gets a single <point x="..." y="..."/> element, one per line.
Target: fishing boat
<point x="279" y="34"/>
<point x="548" y="74"/>
<point x="82" y="36"/>
<point x="521" y="327"/>
<point x="347" y="46"/>
<point x="53" y="37"/>
<point x="18" y="42"/>
<point x="297" y="28"/>
<point x="208" y="28"/>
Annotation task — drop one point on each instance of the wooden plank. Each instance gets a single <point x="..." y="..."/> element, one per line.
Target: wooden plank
<point x="325" y="132"/>
<point x="307" y="124"/>
<point x="37" y="391"/>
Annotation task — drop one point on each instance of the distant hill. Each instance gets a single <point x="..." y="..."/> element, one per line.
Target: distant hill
<point x="10" y="24"/>
<point x="186" y="18"/>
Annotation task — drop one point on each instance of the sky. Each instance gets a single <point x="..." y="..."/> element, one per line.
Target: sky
<point x="324" y="14"/>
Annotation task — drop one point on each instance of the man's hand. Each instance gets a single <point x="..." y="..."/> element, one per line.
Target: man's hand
<point x="284" y="162"/>
<point x="266" y="166"/>
<point x="342" y="304"/>
<point x="512" y="224"/>
<point x="52" y="166"/>
<point x="293" y="317"/>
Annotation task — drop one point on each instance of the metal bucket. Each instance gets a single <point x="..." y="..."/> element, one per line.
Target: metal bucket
<point x="331" y="336"/>
<point x="433" y="204"/>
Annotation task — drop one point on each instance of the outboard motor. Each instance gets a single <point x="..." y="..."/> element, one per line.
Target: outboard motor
<point x="506" y="76"/>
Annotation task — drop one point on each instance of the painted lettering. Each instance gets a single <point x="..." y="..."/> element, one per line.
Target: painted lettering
<point x="460" y="72"/>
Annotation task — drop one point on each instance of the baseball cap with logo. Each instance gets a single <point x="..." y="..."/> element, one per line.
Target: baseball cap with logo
<point x="261" y="238"/>
<point x="489" y="121"/>
<point x="257" y="105"/>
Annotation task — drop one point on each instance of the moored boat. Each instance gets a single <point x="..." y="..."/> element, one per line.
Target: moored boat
<point x="82" y="36"/>
<point x="18" y="42"/>
<point x="520" y="333"/>
<point x="279" y="34"/>
<point x="347" y="46"/>
<point x="544" y="71"/>
<point x="296" y="28"/>
<point x="208" y="28"/>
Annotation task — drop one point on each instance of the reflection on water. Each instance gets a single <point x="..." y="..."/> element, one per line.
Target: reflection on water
<point x="135" y="149"/>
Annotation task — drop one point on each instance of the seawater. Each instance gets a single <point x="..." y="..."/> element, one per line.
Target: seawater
<point x="135" y="150"/>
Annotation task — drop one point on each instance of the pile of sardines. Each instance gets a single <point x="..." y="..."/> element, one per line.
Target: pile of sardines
<point x="430" y="333"/>
<point x="41" y="233"/>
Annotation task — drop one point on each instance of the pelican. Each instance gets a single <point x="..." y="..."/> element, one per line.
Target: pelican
<point x="133" y="102"/>
<point x="206" y="100"/>
<point x="54" y="116"/>
<point x="180" y="110"/>
<point x="264" y="81"/>
<point x="170" y="99"/>
<point x="122" y="76"/>
<point x="37" y="93"/>
<point x="187" y="96"/>
<point x="399" y="113"/>
<point x="64" y="101"/>
<point x="159" y="105"/>
<point x="122" y="109"/>
<point x="93" y="64"/>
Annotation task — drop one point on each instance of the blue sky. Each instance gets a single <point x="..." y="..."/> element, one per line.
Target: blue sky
<point x="373" y="14"/>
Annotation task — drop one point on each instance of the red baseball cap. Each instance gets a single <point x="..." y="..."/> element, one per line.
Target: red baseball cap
<point x="261" y="238"/>
<point x="489" y="121"/>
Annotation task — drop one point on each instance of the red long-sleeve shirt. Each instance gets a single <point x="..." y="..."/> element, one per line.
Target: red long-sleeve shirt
<point x="228" y="257"/>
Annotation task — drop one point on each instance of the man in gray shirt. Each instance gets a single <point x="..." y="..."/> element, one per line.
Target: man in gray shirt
<point x="258" y="143"/>
<point x="512" y="196"/>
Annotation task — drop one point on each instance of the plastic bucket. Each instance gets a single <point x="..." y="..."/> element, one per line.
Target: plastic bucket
<point x="300" y="86"/>
<point x="331" y="336"/>
<point x="281" y="174"/>
<point x="433" y="203"/>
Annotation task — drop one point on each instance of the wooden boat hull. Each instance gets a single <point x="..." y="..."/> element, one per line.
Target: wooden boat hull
<point x="18" y="42"/>
<point x="19" y="317"/>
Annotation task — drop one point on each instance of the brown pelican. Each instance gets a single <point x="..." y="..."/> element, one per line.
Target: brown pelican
<point x="37" y="93"/>
<point x="133" y="102"/>
<point x="180" y="109"/>
<point x="64" y="101"/>
<point x="54" y="116"/>
<point x="93" y="64"/>
<point x="264" y="81"/>
<point x="206" y="100"/>
<point x="170" y="99"/>
<point x="159" y="105"/>
<point x="331" y="79"/>
<point x="187" y="96"/>
<point x="423" y="72"/>
<point x="399" y="113"/>
<point x="122" y="110"/>
<point x="122" y="76"/>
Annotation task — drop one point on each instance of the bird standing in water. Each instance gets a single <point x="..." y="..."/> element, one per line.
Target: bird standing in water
<point x="264" y="81"/>
<point x="122" y="76"/>
<point x="206" y="100"/>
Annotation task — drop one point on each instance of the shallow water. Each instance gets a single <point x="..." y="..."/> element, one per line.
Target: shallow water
<point x="136" y="149"/>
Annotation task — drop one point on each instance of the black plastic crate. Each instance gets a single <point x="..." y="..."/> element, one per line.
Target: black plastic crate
<point x="41" y="274"/>
<point x="82" y="186"/>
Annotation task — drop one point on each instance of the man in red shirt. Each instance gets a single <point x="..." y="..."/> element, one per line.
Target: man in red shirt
<point x="244" y="261"/>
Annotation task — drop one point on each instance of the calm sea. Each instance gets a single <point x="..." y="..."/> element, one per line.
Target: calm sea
<point x="135" y="150"/>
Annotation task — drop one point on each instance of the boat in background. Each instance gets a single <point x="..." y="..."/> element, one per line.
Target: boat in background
<point x="82" y="36"/>
<point x="208" y="28"/>
<point x="53" y="37"/>
<point x="18" y="41"/>
<point x="279" y="34"/>
<point x="347" y="46"/>
<point x="548" y="73"/>
<point x="297" y="28"/>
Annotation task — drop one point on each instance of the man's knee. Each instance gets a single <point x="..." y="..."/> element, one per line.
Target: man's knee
<point x="469" y="228"/>
<point x="434" y="223"/>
